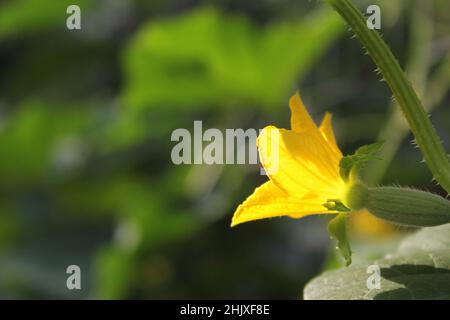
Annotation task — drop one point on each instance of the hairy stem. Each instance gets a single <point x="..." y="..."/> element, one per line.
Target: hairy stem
<point x="396" y="129"/>
<point x="424" y="133"/>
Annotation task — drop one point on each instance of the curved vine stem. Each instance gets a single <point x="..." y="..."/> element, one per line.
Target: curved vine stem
<point x="421" y="126"/>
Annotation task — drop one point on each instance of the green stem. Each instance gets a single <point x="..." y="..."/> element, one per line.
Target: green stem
<point x="424" y="133"/>
<point x="418" y="65"/>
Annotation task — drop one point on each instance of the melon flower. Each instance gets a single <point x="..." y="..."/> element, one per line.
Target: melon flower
<point x="308" y="175"/>
<point x="306" y="179"/>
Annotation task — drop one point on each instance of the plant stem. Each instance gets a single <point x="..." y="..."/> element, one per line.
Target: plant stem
<point x="418" y="65"/>
<point x="424" y="133"/>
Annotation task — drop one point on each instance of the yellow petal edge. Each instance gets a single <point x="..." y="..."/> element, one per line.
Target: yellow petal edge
<point x="303" y="169"/>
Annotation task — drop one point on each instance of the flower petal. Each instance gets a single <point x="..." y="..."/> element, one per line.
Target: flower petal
<point x="301" y="121"/>
<point x="300" y="118"/>
<point x="326" y="129"/>
<point x="268" y="201"/>
<point x="300" y="163"/>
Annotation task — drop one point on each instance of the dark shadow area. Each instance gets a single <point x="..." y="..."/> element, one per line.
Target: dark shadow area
<point x="420" y="282"/>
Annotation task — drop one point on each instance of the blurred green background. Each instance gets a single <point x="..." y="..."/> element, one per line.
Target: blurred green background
<point x="86" y="117"/>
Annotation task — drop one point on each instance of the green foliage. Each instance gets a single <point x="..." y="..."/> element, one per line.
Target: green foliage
<point x="86" y="176"/>
<point x="114" y="273"/>
<point x="70" y="152"/>
<point x="352" y="164"/>
<point x="414" y="112"/>
<point x="34" y="16"/>
<point x="208" y="58"/>
<point x="420" y="269"/>
<point x="34" y="139"/>
<point x="338" y="230"/>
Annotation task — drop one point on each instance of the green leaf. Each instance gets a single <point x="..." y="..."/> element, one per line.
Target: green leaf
<point x="428" y="239"/>
<point x="352" y="164"/>
<point x="420" y="269"/>
<point x="204" y="57"/>
<point x="338" y="230"/>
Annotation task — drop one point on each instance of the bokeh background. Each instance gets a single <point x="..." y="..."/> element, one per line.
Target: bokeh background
<point x="86" y="116"/>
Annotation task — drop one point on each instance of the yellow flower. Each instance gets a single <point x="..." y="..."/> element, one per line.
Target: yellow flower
<point x="306" y="173"/>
